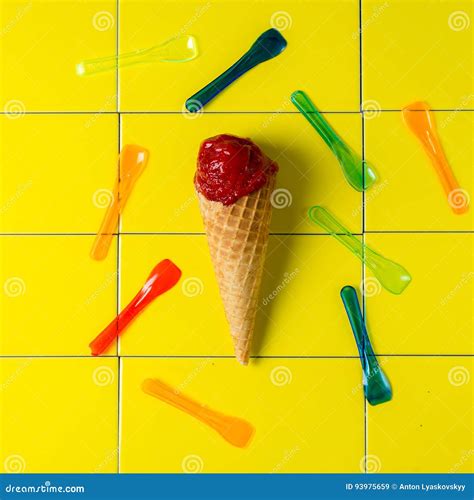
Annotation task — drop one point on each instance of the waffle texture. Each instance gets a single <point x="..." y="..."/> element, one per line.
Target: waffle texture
<point x="237" y="236"/>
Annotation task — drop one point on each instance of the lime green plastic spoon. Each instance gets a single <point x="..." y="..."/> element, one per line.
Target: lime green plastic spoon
<point x="179" y="49"/>
<point x="359" y="173"/>
<point x="377" y="388"/>
<point x="392" y="276"/>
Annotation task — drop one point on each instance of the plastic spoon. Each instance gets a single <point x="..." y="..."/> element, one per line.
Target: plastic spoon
<point x="392" y="276"/>
<point x="377" y="387"/>
<point x="133" y="160"/>
<point x="358" y="173"/>
<point x="179" y="49"/>
<point x="234" y="430"/>
<point x="163" y="277"/>
<point x="267" y="46"/>
<point x="420" y="120"/>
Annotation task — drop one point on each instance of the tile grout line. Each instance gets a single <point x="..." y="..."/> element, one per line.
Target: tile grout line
<point x="361" y="100"/>
<point x="229" y="356"/>
<point x="119" y="247"/>
<point x="341" y="112"/>
<point x="155" y="233"/>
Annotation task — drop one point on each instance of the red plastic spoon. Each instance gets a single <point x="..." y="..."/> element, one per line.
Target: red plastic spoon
<point x="163" y="277"/>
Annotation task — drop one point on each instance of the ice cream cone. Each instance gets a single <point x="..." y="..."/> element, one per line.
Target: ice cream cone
<point x="237" y="235"/>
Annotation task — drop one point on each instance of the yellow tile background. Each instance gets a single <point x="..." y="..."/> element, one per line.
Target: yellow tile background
<point x="55" y="299"/>
<point x="164" y="199"/>
<point x="159" y="438"/>
<point x="58" y="153"/>
<point x="302" y="319"/>
<point x="58" y="415"/>
<point x="224" y="34"/>
<point x="58" y="172"/>
<point x="430" y="317"/>
<point x="429" y="59"/>
<point x="41" y="43"/>
<point x="429" y="422"/>
<point x="409" y="196"/>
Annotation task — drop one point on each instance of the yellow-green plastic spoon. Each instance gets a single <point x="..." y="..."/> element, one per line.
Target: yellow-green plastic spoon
<point x="179" y="49"/>
<point x="392" y="276"/>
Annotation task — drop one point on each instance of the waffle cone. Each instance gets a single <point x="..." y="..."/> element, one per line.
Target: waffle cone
<point x="237" y="236"/>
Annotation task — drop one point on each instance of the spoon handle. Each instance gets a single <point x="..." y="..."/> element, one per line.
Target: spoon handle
<point x="323" y="218"/>
<point x="207" y="93"/>
<point x="304" y="104"/>
<point x="351" y="304"/>
<point x="420" y="120"/>
<point x="236" y="431"/>
<point x="110" y="63"/>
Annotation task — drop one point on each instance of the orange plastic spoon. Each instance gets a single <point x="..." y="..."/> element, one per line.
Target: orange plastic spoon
<point x="234" y="430"/>
<point x="420" y="121"/>
<point x="132" y="162"/>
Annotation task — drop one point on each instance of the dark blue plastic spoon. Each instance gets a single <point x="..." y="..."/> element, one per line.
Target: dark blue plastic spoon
<point x="267" y="46"/>
<point x="377" y="387"/>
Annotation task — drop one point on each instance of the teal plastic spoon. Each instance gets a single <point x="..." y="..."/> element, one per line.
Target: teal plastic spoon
<point x="359" y="173"/>
<point x="267" y="46"/>
<point x="392" y="276"/>
<point x="377" y="388"/>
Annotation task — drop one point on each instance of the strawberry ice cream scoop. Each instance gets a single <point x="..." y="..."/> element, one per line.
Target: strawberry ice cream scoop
<point x="230" y="167"/>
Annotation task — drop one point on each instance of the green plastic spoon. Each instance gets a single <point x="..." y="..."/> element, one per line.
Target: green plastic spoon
<point x="377" y="388"/>
<point x="358" y="173"/>
<point x="392" y="276"/>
